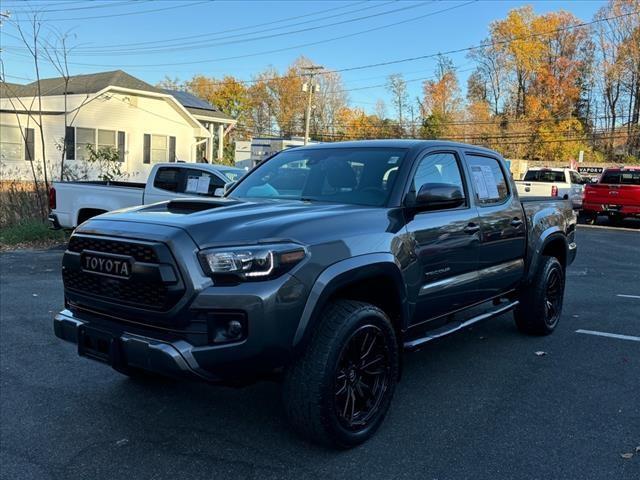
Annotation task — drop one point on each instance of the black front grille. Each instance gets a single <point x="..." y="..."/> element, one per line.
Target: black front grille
<point x="139" y="251"/>
<point x="153" y="296"/>
<point x="144" y="289"/>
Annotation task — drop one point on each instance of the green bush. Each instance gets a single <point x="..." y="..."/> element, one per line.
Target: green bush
<point x="30" y="232"/>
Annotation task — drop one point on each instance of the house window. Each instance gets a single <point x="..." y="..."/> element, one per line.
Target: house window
<point x="84" y="138"/>
<point x="78" y="139"/>
<point x="159" y="148"/>
<point x="14" y="145"/>
<point x="107" y="138"/>
<point x="11" y="143"/>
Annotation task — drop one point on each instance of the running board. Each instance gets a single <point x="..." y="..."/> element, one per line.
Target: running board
<point x="447" y="329"/>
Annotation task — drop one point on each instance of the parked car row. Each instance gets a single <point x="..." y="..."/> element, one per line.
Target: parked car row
<point x="616" y="193"/>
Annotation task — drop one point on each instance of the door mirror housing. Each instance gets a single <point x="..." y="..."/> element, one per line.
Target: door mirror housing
<point x="227" y="187"/>
<point x="437" y="196"/>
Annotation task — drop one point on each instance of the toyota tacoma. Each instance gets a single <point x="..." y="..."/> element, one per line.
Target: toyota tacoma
<point x="318" y="268"/>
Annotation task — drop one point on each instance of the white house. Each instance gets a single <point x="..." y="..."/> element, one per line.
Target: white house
<point x="144" y="123"/>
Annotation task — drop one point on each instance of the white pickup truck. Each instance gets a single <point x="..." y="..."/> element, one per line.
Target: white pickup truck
<point x="72" y="203"/>
<point x="555" y="182"/>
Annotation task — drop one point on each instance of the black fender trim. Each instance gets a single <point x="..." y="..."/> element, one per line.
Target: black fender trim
<point x="536" y="258"/>
<point x="342" y="274"/>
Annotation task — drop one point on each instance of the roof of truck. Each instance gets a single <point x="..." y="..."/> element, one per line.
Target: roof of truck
<point x="396" y="143"/>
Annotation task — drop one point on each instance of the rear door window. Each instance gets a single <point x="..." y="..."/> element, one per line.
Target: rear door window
<point x="488" y="180"/>
<point x="199" y="182"/>
<point x="169" y="179"/>
<point x="576" y="178"/>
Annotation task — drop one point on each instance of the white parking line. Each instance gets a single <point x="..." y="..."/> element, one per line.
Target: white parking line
<point x="628" y="296"/>
<point x="610" y="335"/>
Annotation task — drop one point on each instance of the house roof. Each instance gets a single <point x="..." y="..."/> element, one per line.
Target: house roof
<point x="84" y="84"/>
<point x="95" y="82"/>
<point x="197" y="106"/>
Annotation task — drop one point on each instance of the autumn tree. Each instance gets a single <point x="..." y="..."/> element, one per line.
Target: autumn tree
<point x="397" y="87"/>
<point x="441" y="103"/>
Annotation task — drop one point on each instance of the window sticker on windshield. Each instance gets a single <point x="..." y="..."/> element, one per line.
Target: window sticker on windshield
<point x="393" y="160"/>
<point x="192" y="184"/>
<point x="203" y="184"/>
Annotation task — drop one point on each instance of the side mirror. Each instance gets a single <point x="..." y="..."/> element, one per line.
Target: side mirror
<point x="435" y="196"/>
<point x="218" y="192"/>
<point x="227" y="187"/>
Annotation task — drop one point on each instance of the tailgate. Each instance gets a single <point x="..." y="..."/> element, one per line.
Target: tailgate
<point x="534" y="189"/>
<point x="628" y="195"/>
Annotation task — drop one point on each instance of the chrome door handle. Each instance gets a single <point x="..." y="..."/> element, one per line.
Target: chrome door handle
<point x="516" y="222"/>
<point x="472" y="228"/>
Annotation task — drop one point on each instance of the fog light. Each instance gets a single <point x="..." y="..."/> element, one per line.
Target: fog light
<point x="225" y="326"/>
<point x="234" y="329"/>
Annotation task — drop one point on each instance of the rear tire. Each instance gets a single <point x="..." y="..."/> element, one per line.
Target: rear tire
<point x="541" y="303"/>
<point x="615" y="220"/>
<point x="587" y="218"/>
<point x="339" y="391"/>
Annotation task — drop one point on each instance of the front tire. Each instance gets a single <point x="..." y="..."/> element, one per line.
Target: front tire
<point x="541" y="303"/>
<point x="339" y="391"/>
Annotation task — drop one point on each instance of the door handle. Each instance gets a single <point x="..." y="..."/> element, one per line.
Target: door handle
<point x="472" y="228"/>
<point x="516" y="222"/>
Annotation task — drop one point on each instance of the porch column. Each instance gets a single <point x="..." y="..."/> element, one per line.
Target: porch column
<point x="220" y="141"/>
<point x="210" y="144"/>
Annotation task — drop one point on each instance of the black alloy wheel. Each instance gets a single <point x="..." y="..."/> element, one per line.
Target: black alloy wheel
<point x="362" y="377"/>
<point x="553" y="297"/>
<point x="339" y="390"/>
<point x="540" y="302"/>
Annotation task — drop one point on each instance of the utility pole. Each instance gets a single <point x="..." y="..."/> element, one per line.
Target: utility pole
<point x="309" y="87"/>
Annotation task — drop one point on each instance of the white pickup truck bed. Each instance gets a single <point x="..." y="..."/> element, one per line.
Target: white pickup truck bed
<point x="72" y="203"/>
<point x="556" y="182"/>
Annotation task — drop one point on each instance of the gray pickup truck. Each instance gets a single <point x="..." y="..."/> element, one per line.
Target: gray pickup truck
<point x="318" y="268"/>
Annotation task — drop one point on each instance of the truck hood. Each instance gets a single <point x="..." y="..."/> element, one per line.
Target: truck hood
<point x="214" y="222"/>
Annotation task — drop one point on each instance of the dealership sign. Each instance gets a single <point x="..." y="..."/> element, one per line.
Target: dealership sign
<point x="591" y="170"/>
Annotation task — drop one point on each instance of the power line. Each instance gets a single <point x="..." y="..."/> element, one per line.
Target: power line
<point x="139" y="12"/>
<point x="108" y="5"/>
<point x="319" y="42"/>
<point x="390" y="62"/>
<point x="243" y="37"/>
<point x="171" y="42"/>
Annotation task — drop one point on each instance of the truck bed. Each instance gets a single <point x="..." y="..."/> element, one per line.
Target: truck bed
<point x="105" y="183"/>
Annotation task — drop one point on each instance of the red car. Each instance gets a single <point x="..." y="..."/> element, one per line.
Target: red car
<point x="617" y="195"/>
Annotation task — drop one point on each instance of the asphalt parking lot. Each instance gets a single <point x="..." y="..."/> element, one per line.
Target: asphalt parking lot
<point x="479" y="404"/>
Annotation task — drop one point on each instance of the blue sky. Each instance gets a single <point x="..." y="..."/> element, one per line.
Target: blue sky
<point x="242" y="38"/>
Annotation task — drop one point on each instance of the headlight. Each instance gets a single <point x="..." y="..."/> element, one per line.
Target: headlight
<point x="251" y="263"/>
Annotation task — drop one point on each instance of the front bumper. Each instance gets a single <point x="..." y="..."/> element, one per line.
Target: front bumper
<point x="270" y="311"/>
<point x="133" y="350"/>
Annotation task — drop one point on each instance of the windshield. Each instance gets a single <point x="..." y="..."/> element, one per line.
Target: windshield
<point x="544" y="176"/>
<point x="233" y="174"/>
<point x="359" y="176"/>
